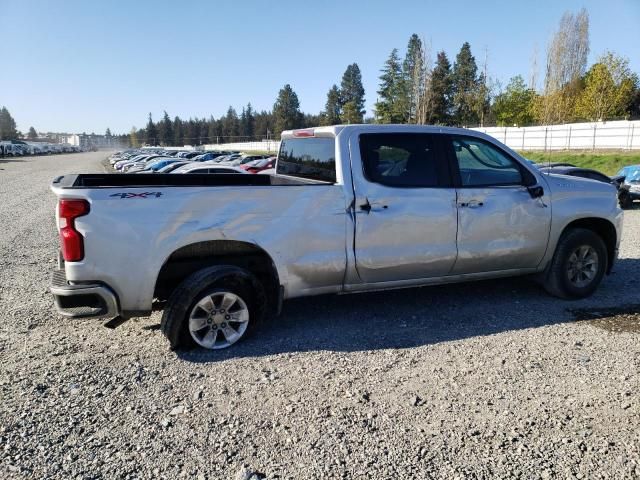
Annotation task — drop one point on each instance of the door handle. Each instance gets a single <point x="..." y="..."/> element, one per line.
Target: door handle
<point x="369" y="207"/>
<point x="366" y="206"/>
<point x="471" y="204"/>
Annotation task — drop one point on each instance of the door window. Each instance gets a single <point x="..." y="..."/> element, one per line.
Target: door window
<point x="403" y="160"/>
<point x="482" y="164"/>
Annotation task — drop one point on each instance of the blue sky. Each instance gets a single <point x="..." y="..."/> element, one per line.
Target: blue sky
<point x="85" y="66"/>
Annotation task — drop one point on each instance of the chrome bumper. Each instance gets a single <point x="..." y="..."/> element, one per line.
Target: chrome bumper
<point x="82" y="300"/>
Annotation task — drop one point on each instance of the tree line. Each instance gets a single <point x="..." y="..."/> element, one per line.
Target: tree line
<point x="417" y="89"/>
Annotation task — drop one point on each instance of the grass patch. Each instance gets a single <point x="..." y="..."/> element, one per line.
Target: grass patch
<point x="606" y="162"/>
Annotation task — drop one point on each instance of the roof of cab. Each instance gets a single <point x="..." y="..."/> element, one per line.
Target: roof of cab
<point x="369" y="127"/>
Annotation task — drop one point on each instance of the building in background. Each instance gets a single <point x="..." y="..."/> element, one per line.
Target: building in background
<point x="90" y="141"/>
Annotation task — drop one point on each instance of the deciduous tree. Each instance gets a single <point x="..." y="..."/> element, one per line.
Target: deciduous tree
<point x="514" y="106"/>
<point x="608" y="90"/>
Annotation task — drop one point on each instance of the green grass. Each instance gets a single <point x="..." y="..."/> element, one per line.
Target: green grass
<point x="606" y="162"/>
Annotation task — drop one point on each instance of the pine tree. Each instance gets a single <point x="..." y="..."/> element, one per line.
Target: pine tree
<point x="7" y="125"/>
<point x="231" y="126"/>
<point x="465" y="84"/>
<point x="151" y="136"/>
<point x="178" y="132"/>
<point x="248" y="123"/>
<point x="413" y="78"/>
<point x="333" y="108"/>
<point x="107" y="133"/>
<point x="32" y="135"/>
<point x="352" y="94"/>
<point x="389" y="105"/>
<point x="441" y="91"/>
<point x="166" y="130"/>
<point x="286" y="110"/>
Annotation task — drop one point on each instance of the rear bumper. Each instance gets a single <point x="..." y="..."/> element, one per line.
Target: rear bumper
<point x="83" y="300"/>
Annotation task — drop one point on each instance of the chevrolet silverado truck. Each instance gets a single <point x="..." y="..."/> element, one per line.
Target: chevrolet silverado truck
<point x="350" y="209"/>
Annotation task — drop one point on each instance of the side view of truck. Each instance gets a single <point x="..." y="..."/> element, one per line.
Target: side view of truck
<point x="350" y="209"/>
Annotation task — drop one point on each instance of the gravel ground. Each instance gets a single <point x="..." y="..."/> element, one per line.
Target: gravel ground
<point x="485" y="380"/>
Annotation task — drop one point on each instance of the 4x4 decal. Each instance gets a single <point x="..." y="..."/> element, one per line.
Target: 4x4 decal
<point x="137" y="195"/>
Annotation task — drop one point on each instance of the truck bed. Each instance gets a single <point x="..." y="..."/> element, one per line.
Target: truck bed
<point x="134" y="180"/>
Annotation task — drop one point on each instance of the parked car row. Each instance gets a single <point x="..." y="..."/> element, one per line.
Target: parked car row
<point x="163" y="161"/>
<point x="23" y="149"/>
<point x="626" y="181"/>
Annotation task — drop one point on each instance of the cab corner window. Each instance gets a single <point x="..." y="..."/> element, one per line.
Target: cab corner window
<point x="402" y="159"/>
<point x="312" y="158"/>
<point x="482" y="165"/>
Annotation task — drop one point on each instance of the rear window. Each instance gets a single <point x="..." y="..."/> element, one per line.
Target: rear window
<point x="313" y="158"/>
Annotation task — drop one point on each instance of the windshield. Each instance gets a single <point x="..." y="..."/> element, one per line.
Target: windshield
<point x="632" y="175"/>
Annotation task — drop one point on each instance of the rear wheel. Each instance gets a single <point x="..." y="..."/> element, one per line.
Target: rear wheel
<point x="213" y="308"/>
<point x="578" y="265"/>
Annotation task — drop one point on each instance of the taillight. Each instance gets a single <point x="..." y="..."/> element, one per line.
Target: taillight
<point x="71" y="241"/>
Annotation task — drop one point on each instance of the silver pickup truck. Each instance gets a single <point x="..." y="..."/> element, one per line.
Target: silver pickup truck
<point x="351" y="209"/>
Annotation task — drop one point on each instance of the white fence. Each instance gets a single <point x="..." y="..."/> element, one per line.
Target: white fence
<point x="617" y="135"/>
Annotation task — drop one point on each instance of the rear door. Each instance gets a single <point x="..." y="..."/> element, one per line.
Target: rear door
<point x="500" y="226"/>
<point x="405" y="207"/>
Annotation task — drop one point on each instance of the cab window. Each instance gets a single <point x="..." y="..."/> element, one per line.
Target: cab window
<point x="403" y="160"/>
<point x="482" y="164"/>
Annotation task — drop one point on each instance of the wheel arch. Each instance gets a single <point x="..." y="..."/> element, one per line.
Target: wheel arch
<point x="190" y="258"/>
<point x="605" y="230"/>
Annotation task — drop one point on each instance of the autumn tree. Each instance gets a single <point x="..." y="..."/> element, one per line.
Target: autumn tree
<point x="608" y="89"/>
<point x="566" y="64"/>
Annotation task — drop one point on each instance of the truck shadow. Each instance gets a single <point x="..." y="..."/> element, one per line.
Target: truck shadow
<point x="422" y="316"/>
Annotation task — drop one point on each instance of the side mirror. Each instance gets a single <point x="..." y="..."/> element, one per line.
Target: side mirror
<point x="536" y="191"/>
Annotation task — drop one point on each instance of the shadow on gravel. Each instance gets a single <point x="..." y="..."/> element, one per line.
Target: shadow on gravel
<point x="625" y="318"/>
<point x="418" y="316"/>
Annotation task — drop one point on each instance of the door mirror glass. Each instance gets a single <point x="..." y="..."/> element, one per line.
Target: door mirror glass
<point x="536" y="191"/>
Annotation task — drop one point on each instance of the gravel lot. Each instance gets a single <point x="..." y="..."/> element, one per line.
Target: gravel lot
<point x="485" y="380"/>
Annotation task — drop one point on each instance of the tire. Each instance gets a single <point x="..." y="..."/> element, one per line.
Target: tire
<point x="561" y="279"/>
<point x="187" y="305"/>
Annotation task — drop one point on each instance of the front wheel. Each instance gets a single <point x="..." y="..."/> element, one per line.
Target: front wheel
<point x="578" y="265"/>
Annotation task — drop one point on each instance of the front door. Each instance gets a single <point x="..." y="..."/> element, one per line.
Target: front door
<point x="405" y="207"/>
<point x="500" y="226"/>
